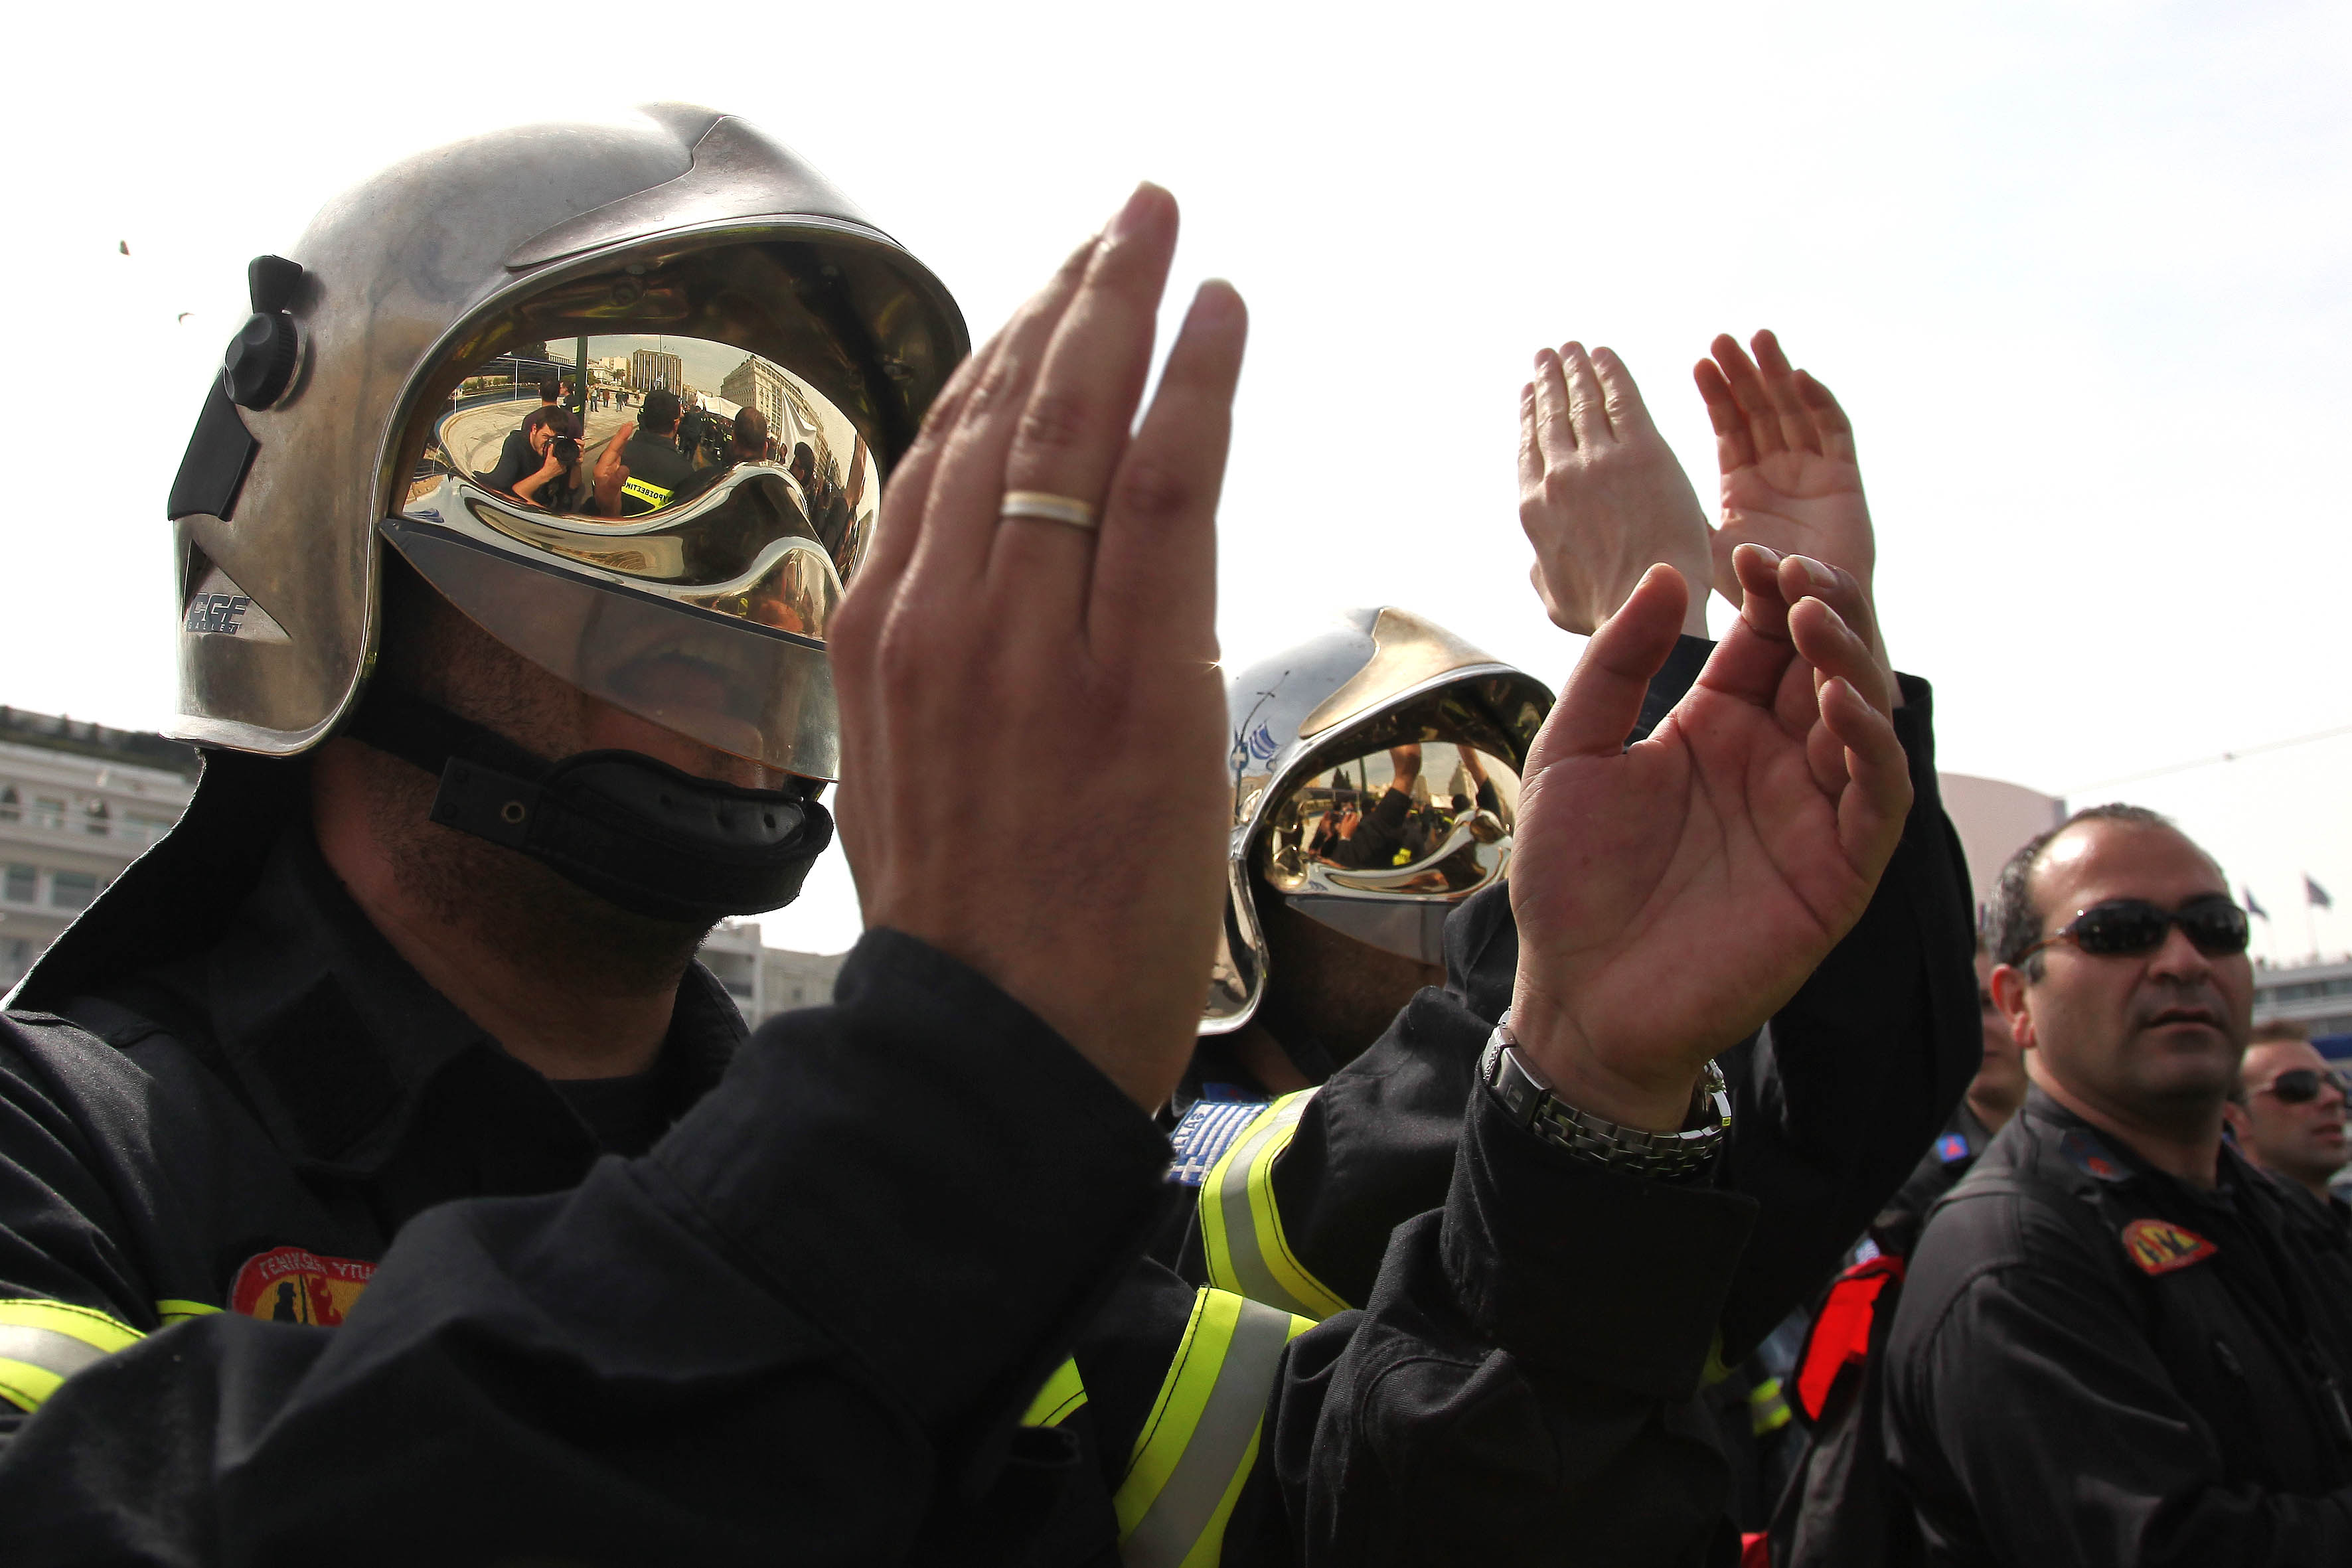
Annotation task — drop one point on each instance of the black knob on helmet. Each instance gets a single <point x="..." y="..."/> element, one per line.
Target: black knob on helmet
<point x="260" y="358"/>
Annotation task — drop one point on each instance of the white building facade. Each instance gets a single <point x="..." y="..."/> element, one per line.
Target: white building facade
<point x="2316" y="995"/>
<point x="765" y="981"/>
<point x="78" y="802"/>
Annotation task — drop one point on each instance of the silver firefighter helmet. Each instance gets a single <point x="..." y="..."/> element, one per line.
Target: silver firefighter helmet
<point x="673" y="271"/>
<point x="1376" y="772"/>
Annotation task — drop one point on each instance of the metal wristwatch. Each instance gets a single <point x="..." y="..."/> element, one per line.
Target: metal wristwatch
<point x="1528" y="1097"/>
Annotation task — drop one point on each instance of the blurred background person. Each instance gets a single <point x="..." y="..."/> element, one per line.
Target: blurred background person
<point x="749" y="438"/>
<point x="2288" y="1113"/>
<point x="649" y="470"/>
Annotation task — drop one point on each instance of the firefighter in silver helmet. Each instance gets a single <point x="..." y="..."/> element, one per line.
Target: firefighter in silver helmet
<point x="1345" y="1021"/>
<point x="1375" y="773"/>
<point x="394" y="1178"/>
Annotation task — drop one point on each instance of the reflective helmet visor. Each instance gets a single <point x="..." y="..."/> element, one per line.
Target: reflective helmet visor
<point x="674" y="534"/>
<point x="1376" y="824"/>
<point x="1385" y="829"/>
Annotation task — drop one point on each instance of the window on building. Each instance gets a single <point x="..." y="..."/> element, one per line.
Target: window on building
<point x="49" y="811"/>
<point x="141" y="829"/>
<point x="19" y="888"/>
<point x="97" y="816"/>
<point x="71" y="889"/>
<point x="11" y="808"/>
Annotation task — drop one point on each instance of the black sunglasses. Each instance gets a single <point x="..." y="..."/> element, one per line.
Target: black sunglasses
<point x="2300" y="1086"/>
<point x="2214" y="925"/>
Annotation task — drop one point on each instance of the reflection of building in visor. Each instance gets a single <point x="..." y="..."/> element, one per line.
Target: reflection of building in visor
<point x="673" y="538"/>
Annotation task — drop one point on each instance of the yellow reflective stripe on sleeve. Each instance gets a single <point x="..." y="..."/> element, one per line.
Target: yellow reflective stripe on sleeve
<point x="1055" y="1403"/>
<point x="1241" y="1227"/>
<point x="645" y="490"/>
<point x="1768" y="1409"/>
<point x="1714" y="1370"/>
<point x="25" y="1386"/>
<point x="42" y="1343"/>
<point x="1195" y="1451"/>
<point x="181" y="1312"/>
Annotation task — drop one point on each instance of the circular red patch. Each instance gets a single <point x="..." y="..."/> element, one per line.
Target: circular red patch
<point x="289" y="1285"/>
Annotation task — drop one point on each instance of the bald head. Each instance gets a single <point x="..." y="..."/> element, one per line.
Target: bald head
<point x="2144" y="1040"/>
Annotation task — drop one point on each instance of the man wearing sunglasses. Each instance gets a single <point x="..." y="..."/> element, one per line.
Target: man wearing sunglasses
<point x="2288" y="1113"/>
<point x="2117" y="1343"/>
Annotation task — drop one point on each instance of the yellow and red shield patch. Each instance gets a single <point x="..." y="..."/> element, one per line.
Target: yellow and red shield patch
<point x="289" y="1285"/>
<point x="2160" y="1247"/>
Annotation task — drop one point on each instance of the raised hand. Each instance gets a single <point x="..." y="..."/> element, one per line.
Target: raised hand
<point x="1601" y="496"/>
<point x="1791" y="481"/>
<point x="1032" y="724"/>
<point x="1672" y="895"/>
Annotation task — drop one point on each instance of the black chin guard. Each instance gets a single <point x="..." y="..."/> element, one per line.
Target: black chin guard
<point x="634" y="831"/>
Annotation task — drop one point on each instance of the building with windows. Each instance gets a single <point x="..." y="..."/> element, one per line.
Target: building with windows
<point x="77" y="803"/>
<point x="2318" y="996"/>
<point x="756" y="384"/>
<point x="765" y="981"/>
<point x="651" y="368"/>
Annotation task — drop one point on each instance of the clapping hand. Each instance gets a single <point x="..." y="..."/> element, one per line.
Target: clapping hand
<point x="1670" y="896"/>
<point x="1067" y="674"/>
<point x="1791" y="480"/>
<point x="1601" y="496"/>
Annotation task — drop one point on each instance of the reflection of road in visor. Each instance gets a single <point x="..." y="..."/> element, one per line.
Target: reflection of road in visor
<point x="1350" y="831"/>
<point x="687" y="573"/>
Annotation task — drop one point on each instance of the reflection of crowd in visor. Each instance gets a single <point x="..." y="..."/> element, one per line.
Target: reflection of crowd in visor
<point x="773" y="495"/>
<point x="1405" y="837"/>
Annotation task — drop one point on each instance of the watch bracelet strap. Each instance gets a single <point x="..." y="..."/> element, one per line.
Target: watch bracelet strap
<point x="1526" y="1097"/>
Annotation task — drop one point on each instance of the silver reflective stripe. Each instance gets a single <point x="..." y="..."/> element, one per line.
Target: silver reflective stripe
<point x="1244" y="1247"/>
<point x="1229" y="1424"/>
<point x="47" y="1348"/>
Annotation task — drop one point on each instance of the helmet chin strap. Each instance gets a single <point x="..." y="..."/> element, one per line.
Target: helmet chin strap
<point x="635" y="831"/>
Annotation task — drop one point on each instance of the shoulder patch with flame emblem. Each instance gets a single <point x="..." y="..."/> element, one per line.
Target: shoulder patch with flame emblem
<point x="2160" y="1247"/>
<point x="289" y="1285"/>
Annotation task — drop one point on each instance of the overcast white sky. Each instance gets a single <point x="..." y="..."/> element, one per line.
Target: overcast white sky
<point x="2078" y="270"/>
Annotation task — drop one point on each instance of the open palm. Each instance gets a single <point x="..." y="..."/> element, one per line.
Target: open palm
<point x="1670" y="896"/>
<point x="1791" y="480"/>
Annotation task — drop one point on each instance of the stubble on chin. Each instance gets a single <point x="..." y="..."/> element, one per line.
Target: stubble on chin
<point x="512" y="905"/>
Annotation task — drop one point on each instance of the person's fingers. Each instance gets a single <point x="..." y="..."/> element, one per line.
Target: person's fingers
<point x="1747" y="392"/>
<point x="959" y="511"/>
<point x="1829" y="650"/>
<point x="1734" y="449"/>
<point x="1720" y="546"/>
<point x="1801" y="576"/>
<point x="1155" y="577"/>
<point x="1829" y="417"/>
<point x="1555" y="434"/>
<point x="1748" y="663"/>
<point x="901" y="521"/>
<point x="1877" y="795"/>
<point x="1531" y="463"/>
<point x="1602" y="699"/>
<point x="1781" y="385"/>
<point x="1629" y="417"/>
<point x="1071" y="435"/>
<point x="1587" y="405"/>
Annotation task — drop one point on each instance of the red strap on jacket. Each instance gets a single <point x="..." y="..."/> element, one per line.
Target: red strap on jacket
<point x="1841" y="1333"/>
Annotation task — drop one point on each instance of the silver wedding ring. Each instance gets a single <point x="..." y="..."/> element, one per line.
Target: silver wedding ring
<point x="1047" y="507"/>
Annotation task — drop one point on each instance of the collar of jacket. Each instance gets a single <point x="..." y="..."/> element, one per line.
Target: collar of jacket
<point x="335" y="1042"/>
<point x="342" y="1049"/>
<point x="2088" y="1159"/>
